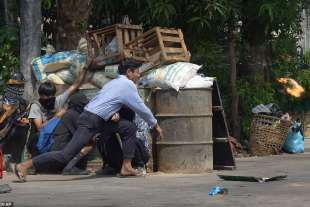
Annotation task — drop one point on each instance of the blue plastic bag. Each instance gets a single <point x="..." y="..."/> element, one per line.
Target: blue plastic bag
<point x="218" y="190"/>
<point x="295" y="140"/>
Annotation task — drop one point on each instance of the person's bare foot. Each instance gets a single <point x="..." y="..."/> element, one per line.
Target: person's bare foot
<point x="130" y="172"/>
<point x="21" y="172"/>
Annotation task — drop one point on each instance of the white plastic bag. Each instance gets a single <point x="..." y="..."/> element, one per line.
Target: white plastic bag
<point x="200" y="82"/>
<point x="173" y="76"/>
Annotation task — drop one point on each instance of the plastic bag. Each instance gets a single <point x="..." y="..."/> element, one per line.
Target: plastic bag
<point x="47" y="64"/>
<point x="173" y="76"/>
<point x="112" y="47"/>
<point x="294" y="142"/>
<point x="199" y="81"/>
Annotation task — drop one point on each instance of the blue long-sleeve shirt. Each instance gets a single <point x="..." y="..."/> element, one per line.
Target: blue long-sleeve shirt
<point x="116" y="93"/>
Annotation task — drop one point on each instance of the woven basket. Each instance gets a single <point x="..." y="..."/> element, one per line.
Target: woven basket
<point x="268" y="135"/>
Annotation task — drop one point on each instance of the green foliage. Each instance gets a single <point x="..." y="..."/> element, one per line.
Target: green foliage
<point x="160" y="11"/>
<point x="307" y="57"/>
<point x="206" y="12"/>
<point x="205" y="24"/>
<point x="251" y="95"/>
<point x="8" y="52"/>
<point x="47" y="4"/>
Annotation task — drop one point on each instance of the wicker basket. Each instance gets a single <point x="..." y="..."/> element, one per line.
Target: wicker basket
<point x="268" y="135"/>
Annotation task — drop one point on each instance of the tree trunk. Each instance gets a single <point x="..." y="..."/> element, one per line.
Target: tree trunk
<point x="233" y="78"/>
<point x="30" y="40"/>
<point x="72" y="18"/>
<point x="9" y="12"/>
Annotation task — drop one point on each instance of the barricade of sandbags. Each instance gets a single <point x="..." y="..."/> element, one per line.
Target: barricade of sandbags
<point x="63" y="67"/>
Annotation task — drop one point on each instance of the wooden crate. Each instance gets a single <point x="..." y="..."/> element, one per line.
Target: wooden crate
<point x="159" y="46"/>
<point x="99" y="39"/>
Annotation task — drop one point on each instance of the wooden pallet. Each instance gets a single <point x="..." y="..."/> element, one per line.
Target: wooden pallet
<point x="159" y="46"/>
<point x="99" y="39"/>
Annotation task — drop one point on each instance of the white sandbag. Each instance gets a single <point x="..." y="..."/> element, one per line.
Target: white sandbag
<point x="67" y="60"/>
<point x="55" y="79"/>
<point x="98" y="79"/>
<point x="82" y="46"/>
<point x="111" y="71"/>
<point x="173" y="76"/>
<point x="199" y="81"/>
<point x="66" y="76"/>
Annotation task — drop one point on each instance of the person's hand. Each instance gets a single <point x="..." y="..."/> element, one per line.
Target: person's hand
<point x="159" y="132"/>
<point x="61" y="112"/>
<point x="115" y="117"/>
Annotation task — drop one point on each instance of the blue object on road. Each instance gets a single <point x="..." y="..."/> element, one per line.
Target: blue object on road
<point x="215" y="190"/>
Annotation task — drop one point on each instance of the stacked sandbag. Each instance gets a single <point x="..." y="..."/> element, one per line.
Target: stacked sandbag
<point x="64" y="67"/>
<point x="177" y="75"/>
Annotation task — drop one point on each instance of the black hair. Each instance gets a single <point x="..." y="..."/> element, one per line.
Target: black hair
<point x="127" y="64"/>
<point x="47" y="88"/>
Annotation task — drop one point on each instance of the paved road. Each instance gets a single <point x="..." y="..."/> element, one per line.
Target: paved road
<point x="172" y="190"/>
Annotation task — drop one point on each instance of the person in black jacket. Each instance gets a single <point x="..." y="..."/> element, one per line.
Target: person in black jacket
<point x="66" y="128"/>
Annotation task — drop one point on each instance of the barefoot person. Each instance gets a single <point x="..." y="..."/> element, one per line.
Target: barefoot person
<point x="96" y="118"/>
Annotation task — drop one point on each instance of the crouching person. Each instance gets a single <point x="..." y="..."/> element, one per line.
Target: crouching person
<point x="64" y="133"/>
<point x="110" y="148"/>
<point x="13" y="118"/>
<point x="46" y="108"/>
<point x="96" y="118"/>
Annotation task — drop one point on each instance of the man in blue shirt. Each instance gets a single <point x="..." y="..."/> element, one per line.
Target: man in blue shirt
<point x="97" y="118"/>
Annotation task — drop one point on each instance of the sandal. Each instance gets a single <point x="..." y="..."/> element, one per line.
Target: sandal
<point x="19" y="175"/>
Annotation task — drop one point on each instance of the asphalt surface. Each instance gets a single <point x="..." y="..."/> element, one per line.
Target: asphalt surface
<point x="172" y="189"/>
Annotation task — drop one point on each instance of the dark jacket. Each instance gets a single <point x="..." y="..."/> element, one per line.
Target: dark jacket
<point x="66" y="128"/>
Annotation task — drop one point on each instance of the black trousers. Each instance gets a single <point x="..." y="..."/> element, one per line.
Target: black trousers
<point x="112" y="154"/>
<point x="15" y="142"/>
<point x="89" y="124"/>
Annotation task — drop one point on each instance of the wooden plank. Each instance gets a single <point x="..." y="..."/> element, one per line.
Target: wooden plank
<point x="174" y="50"/>
<point x="126" y="36"/>
<point x="103" y="30"/>
<point x="119" y="37"/>
<point x="168" y="31"/>
<point x="160" y="42"/>
<point x="141" y="36"/>
<point x="171" y="39"/>
<point x="151" y="44"/>
<point x="141" y="41"/>
<point x="129" y="26"/>
<point x="153" y="51"/>
<point x="174" y="58"/>
<point x="117" y="26"/>
<point x="183" y="44"/>
<point x="148" y="38"/>
<point x="98" y="44"/>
